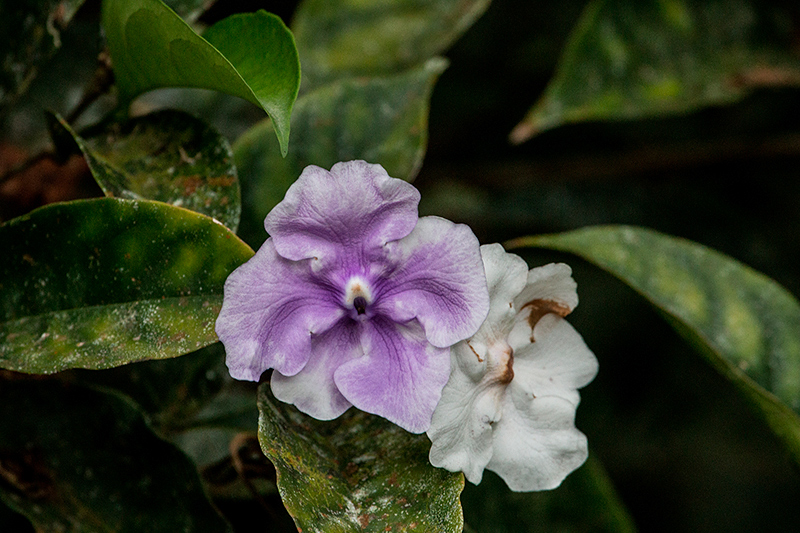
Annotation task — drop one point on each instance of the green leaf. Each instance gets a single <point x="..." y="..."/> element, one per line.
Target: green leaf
<point x="86" y="461"/>
<point x="745" y="324"/>
<point x="359" y="472"/>
<point x="252" y="56"/>
<point x="31" y="34"/>
<point x="169" y="156"/>
<point x="339" y="38"/>
<point x="629" y="59"/>
<point x="170" y="391"/>
<point x="585" y="501"/>
<point x="380" y="120"/>
<point x="103" y="282"/>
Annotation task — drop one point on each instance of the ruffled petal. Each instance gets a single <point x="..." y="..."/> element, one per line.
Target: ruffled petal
<point x="461" y="428"/>
<point x="271" y="308"/>
<point x="400" y="376"/>
<point x="439" y="280"/>
<point x="506" y="276"/>
<point x="313" y="390"/>
<point x="353" y="210"/>
<point x="557" y="363"/>
<point x="536" y="443"/>
<point x="550" y="289"/>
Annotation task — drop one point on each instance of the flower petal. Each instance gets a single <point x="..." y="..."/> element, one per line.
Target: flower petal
<point x="550" y="289"/>
<point x="400" y="376"/>
<point x="354" y="209"/>
<point x="312" y="390"/>
<point x="461" y="428"/>
<point x="536" y="443"/>
<point x="506" y="275"/>
<point x="270" y="309"/>
<point x="550" y="282"/>
<point x="557" y="364"/>
<point x="439" y="280"/>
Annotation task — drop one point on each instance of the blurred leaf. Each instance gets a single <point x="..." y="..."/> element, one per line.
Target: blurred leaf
<point x="103" y="282"/>
<point x="189" y="10"/>
<point x="13" y="521"/>
<point x="170" y="391"/>
<point x="67" y="471"/>
<point x="628" y="59"/>
<point x="31" y="34"/>
<point x="380" y="120"/>
<point x="252" y="56"/>
<point x="585" y="501"/>
<point x="169" y="156"/>
<point x="233" y="408"/>
<point x="745" y="324"/>
<point x="338" y="38"/>
<point x="359" y="472"/>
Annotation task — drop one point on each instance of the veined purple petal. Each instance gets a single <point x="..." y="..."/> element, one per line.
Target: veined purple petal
<point x="439" y="280"/>
<point x="400" y="376"/>
<point x="270" y="310"/>
<point x="312" y="390"/>
<point x="352" y="210"/>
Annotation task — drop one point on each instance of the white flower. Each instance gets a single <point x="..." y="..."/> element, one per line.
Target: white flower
<point x="509" y="405"/>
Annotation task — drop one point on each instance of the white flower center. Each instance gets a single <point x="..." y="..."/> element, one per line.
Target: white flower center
<point x="357" y="294"/>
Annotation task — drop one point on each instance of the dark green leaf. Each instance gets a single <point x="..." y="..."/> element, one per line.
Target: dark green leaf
<point x="86" y="461"/>
<point x="357" y="473"/>
<point x="234" y="408"/>
<point x="262" y="49"/>
<point x="380" y="120"/>
<point x="167" y="156"/>
<point x="744" y="323"/>
<point x="100" y="283"/>
<point x="13" y="521"/>
<point x="31" y="33"/>
<point x="170" y="391"/>
<point x="252" y="56"/>
<point x="585" y="501"/>
<point x="339" y="38"/>
<point x="629" y="59"/>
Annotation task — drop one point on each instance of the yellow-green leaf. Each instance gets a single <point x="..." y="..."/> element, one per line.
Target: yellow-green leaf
<point x="628" y="59"/>
<point x="103" y="282"/>
<point x="742" y="322"/>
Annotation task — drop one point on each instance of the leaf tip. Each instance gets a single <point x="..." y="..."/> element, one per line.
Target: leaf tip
<point x="522" y="132"/>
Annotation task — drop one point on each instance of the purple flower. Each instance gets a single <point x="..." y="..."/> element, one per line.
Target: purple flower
<point x="354" y="299"/>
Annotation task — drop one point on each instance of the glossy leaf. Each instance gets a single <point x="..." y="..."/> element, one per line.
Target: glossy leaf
<point x="744" y="323"/>
<point x="87" y="461"/>
<point x="103" y="282"/>
<point x="169" y="156"/>
<point x="357" y="473"/>
<point x="338" y="38"/>
<point x="252" y="56"/>
<point x="31" y="34"/>
<point x="628" y="59"/>
<point x="380" y="120"/>
<point x="585" y="501"/>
